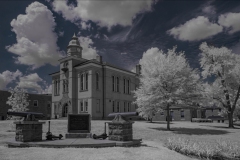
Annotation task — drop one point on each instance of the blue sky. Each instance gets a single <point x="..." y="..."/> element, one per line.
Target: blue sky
<point x="35" y="34"/>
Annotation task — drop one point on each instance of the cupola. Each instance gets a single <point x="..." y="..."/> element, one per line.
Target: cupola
<point x="74" y="48"/>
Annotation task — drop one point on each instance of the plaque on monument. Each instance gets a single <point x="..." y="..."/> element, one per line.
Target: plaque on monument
<point x="79" y="123"/>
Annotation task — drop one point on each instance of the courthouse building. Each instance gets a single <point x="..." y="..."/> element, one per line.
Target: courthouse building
<point x="91" y="86"/>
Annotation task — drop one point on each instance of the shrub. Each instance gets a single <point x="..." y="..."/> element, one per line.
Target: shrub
<point x="210" y="150"/>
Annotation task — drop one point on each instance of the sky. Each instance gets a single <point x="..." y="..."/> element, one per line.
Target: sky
<point x="34" y="35"/>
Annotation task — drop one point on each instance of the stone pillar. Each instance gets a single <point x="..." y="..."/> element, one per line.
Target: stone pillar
<point x="120" y="129"/>
<point x="28" y="131"/>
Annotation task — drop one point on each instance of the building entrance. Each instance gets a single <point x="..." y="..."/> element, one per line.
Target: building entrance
<point x="65" y="110"/>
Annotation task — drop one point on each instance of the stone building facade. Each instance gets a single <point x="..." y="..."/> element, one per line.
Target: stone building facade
<point x="91" y="86"/>
<point x="40" y="103"/>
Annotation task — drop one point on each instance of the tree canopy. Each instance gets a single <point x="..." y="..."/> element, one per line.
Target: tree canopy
<point x="18" y="99"/>
<point x="166" y="80"/>
<point x="224" y="67"/>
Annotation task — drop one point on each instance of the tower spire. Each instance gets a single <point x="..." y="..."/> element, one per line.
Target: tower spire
<point x="74" y="36"/>
<point x="74" y="48"/>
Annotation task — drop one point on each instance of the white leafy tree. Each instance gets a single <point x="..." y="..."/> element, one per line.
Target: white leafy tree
<point x="166" y="80"/>
<point x="224" y="66"/>
<point x="18" y="99"/>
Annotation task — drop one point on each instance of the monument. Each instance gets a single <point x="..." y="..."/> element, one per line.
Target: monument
<point x="79" y="126"/>
<point x="28" y="129"/>
<point x="120" y="129"/>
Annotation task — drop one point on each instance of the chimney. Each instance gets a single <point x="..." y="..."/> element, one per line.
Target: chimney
<point x="99" y="58"/>
<point x="138" y="69"/>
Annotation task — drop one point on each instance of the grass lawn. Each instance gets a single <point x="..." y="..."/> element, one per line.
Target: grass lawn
<point x="154" y="136"/>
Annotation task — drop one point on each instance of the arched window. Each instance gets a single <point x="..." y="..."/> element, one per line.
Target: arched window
<point x="86" y="81"/>
<point x="81" y="81"/>
<point x="117" y="84"/>
<point x="97" y="80"/>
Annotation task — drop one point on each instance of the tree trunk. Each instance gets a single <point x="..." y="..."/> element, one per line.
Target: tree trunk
<point x="168" y="118"/>
<point x="230" y="119"/>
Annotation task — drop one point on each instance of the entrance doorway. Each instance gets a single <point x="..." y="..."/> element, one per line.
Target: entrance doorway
<point x="65" y="110"/>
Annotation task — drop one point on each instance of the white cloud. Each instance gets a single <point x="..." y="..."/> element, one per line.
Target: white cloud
<point x="85" y="26"/>
<point x="7" y="77"/>
<point x="209" y="9"/>
<point x="36" y="40"/>
<point x="34" y="82"/>
<point x="195" y="29"/>
<point x="48" y="90"/>
<point x="149" y="54"/>
<point x="104" y="13"/>
<point x="123" y="53"/>
<point x="231" y="21"/>
<point x="61" y="33"/>
<point x="88" y="52"/>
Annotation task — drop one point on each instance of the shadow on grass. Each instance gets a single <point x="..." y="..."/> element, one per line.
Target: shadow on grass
<point x="193" y="131"/>
<point x="162" y="122"/>
<point x="223" y="127"/>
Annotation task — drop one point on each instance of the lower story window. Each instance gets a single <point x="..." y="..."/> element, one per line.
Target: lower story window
<point x="129" y="107"/>
<point x="182" y="114"/>
<point x="81" y="106"/>
<point x="113" y="107"/>
<point x="86" y="106"/>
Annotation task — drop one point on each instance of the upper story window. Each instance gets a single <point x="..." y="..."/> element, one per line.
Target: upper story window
<point x="65" y="85"/>
<point x="84" y="81"/>
<point x="124" y="106"/>
<point x="128" y="86"/>
<point x="35" y="103"/>
<point x="117" y="84"/>
<point x="81" y="81"/>
<point x="124" y="85"/>
<point x="113" y="83"/>
<point x="97" y="80"/>
<point x="56" y="87"/>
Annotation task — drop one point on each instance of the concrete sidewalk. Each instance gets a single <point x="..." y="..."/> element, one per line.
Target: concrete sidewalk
<point x="74" y="142"/>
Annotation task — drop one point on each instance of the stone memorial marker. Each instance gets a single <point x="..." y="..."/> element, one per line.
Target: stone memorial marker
<point x="28" y="129"/>
<point x="79" y="126"/>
